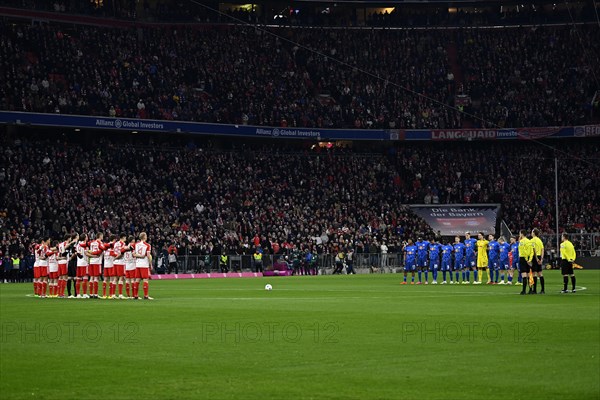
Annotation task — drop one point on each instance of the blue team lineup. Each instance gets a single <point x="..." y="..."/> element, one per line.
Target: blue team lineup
<point x="457" y="261"/>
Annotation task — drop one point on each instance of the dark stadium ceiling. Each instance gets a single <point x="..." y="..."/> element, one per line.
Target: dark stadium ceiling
<point x="426" y="2"/>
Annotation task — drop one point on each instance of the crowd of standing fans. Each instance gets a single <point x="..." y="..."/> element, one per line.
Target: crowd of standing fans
<point x="206" y="199"/>
<point x="301" y="77"/>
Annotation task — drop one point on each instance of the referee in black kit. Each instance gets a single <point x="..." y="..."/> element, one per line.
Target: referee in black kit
<point x="537" y="261"/>
<point x="567" y="255"/>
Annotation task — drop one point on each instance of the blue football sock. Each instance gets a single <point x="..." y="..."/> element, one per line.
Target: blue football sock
<point x="475" y="273"/>
<point x="419" y="276"/>
<point x="510" y="278"/>
<point x="435" y="274"/>
<point x="468" y="274"/>
<point x="520" y="278"/>
<point x="444" y="274"/>
<point x="502" y="276"/>
<point x="404" y="278"/>
<point x="426" y="273"/>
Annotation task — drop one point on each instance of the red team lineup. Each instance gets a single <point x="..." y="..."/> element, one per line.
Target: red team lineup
<point x="122" y="261"/>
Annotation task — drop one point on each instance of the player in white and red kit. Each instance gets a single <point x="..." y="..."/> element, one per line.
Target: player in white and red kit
<point x="36" y="269"/>
<point x="82" y="266"/>
<point x="143" y="265"/>
<point x="109" y="274"/>
<point x="52" y="270"/>
<point x="63" y="263"/>
<point x="129" y="261"/>
<point x="44" y="252"/>
<point x="95" y="252"/>
<point x="119" y="262"/>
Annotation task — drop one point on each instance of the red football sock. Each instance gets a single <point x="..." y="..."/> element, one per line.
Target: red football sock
<point x="44" y="288"/>
<point x="136" y="289"/>
<point x="78" y="286"/>
<point x="127" y="286"/>
<point x="120" y="289"/>
<point x="112" y="288"/>
<point x="103" y="289"/>
<point x="85" y="285"/>
<point x="96" y="288"/>
<point x="145" y="289"/>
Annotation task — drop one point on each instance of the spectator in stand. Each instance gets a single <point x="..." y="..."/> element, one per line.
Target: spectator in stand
<point x="172" y="258"/>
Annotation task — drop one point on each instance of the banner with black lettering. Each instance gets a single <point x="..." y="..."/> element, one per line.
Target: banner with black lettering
<point x="456" y="219"/>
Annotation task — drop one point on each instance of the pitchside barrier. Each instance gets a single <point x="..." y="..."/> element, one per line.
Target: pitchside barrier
<point x="235" y="263"/>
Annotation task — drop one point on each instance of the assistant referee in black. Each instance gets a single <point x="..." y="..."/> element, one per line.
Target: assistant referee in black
<point x="567" y="255"/>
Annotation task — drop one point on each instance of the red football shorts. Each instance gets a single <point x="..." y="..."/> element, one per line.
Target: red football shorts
<point x="36" y="272"/>
<point x="94" y="269"/>
<point x="82" y="271"/>
<point x="62" y="269"/>
<point x="142" y="273"/>
<point x="43" y="272"/>
<point x="119" y="270"/>
<point x="53" y="275"/>
<point x="130" y="274"/>
<point x="110" y="271"/>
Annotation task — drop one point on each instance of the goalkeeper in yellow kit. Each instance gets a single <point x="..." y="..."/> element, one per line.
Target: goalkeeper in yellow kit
<point x="482" y="256"/>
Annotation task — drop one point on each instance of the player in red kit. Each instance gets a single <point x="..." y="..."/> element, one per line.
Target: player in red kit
<point x="82" y="266"/>
<point x="62" y="249"/>
<point x="129" y="266"/>
<point x="95" y="252"/>
<point x="119" y="263"/>
<point x="110" y="277"/>
<point x="44" y="252"/>
<point x="53" y="270"/>
<point x="143" y="265"/>
<point x="36" y="269"/>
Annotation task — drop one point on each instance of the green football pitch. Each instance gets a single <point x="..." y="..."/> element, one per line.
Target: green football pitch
<point x="325" y="337"/>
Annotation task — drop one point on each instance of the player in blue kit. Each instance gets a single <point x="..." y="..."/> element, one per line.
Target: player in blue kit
<point x="447" y="262"/>
<point x="434" y="259"/>
<point x="470" y="259"/>
<point x="459" y="260"/>
<point x="422" y="248"/>
<point x="504" y="250"/>
<point x="493" y="260"/>
<point x="514" y="262"/>
<point x="410" y="261"/>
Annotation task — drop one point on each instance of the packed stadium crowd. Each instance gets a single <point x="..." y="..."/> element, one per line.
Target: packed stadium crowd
<point x="323" y="78"/>
<point x="207" y="200"/>
<point x="530" y="76"/>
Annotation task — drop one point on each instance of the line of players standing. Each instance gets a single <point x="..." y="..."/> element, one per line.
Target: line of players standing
<point x="120" y="261"/>
<point x="457" y="260"/>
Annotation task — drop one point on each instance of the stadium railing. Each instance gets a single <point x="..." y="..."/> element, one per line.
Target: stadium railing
<point x="362" y="262"/>
<point x="586" y="244"/>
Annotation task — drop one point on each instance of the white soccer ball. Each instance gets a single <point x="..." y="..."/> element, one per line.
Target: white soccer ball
<point x="268" y="286"/>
